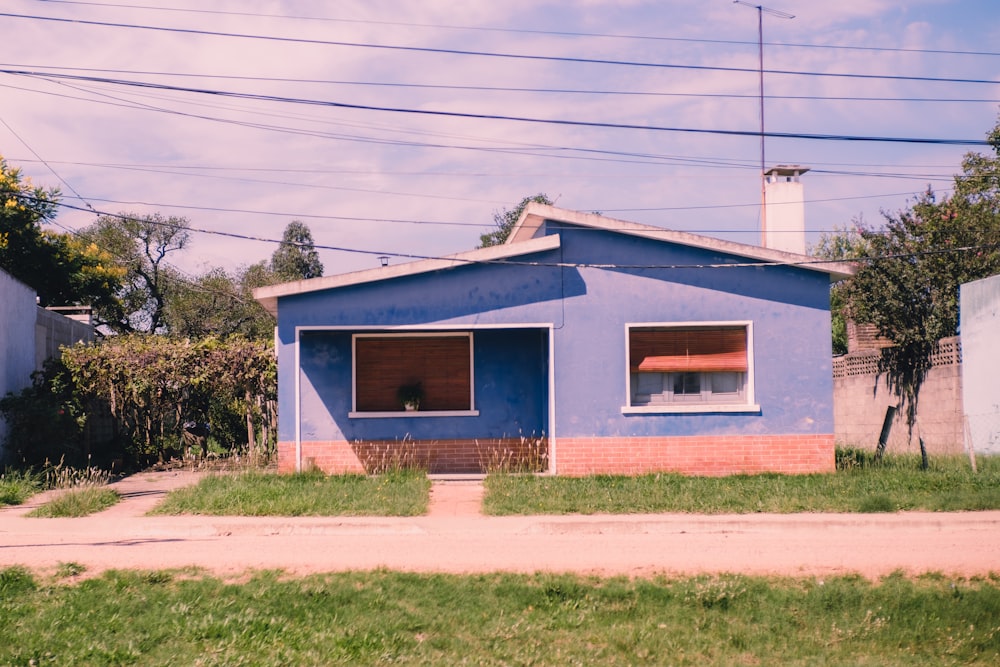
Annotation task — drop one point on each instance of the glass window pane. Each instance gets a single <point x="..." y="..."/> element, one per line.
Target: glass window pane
<point x="650" y="383"/>
<point x="687" y="383"/>
<point x="725" y="383"/>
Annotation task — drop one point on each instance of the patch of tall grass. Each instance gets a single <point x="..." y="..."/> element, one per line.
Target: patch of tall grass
<point x="169" y="618"/>
<point x="77" y="502"/>
<point x="895" y="484"/>
<point x="82" y="491"/>
<point x="400" y="492"/>
<point x="16" y="486"/>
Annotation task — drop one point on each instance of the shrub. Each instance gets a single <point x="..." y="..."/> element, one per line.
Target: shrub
<point x="45" y="421"/>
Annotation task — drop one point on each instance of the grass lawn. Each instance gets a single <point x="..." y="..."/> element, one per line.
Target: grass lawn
<point x="187" y="618"/>
<point x="254" y="493"/>
<point x="77" y="502"/>
<point x="16" y="486"/>
<point x="859" y="485"/>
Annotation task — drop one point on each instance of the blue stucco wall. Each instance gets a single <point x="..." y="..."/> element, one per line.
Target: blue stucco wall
<point x="789" y="308"/>
<point x="511" y="389"/>
<point x="587" y="309"/>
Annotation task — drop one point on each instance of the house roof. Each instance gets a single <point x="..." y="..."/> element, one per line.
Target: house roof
<point x="268" y="296"/>
<point x="523" y="241"/>
<point x="535" y="214"/>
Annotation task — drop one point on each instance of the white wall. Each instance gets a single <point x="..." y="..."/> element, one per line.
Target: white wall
<point x="17" y="338"/>
<point x="979" y="310"/>
<point x="53" y="331"/>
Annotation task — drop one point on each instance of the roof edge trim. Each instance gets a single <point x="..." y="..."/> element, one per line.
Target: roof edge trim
<point x="268" y="296"/>
<point x="535" y="214"/>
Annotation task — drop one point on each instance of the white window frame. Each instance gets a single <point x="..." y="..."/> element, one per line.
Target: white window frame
<point x="355" y="414"/>
<point x="748" y="404"/>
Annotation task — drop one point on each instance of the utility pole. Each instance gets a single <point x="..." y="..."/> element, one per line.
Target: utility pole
<point x="761" y="10"/>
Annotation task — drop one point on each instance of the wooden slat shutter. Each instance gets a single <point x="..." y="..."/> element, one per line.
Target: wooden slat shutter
<point x="706" y="349"/>
<point x="439" y="363"/>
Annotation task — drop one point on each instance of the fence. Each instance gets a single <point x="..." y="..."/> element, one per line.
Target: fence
<point x="861" y="396"/>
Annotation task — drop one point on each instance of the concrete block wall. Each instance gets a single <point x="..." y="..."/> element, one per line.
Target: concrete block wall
<point x="861" y="395"/>
<point x="54" y="330"/>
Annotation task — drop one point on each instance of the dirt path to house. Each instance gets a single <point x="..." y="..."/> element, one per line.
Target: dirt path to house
<point x="454" y="537"/>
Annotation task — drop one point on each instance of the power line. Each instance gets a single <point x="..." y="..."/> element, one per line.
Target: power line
<point x="180" y="277"/>
<point x="507" y="89"/>
<point x="491" y="54"/>
<point x="502" y="117"/>
<point x="714" y="161"/>
<point x="532" y="150"/>
<point x="528" y="31"/>
<point x="577" y="265"/>
<point x="344" y="218"/>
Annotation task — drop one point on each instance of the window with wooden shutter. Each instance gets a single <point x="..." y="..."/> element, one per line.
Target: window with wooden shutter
<point x="678" y="365"/>
<point x="437" y="366"/>
<point x="700" y="349"/>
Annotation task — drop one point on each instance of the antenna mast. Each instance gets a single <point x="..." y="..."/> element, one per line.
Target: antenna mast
<point x="761" y="10"/>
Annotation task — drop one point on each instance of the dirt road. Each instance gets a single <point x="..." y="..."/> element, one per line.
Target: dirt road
<point x="453" y="537"/>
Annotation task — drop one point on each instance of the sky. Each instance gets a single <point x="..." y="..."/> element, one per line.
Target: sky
<point x="398" y="128"/>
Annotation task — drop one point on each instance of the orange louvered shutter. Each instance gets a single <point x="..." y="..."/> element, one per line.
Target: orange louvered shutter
<point x="714" y="349"/>
<point x="440" y="364"/>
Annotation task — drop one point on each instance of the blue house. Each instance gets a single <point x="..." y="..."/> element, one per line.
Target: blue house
<point x="582" y="345"/>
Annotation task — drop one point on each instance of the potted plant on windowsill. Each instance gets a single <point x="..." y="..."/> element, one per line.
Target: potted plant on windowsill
<point x="410" y="395"/>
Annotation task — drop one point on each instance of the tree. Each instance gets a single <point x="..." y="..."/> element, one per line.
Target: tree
<point x="203" y="306"/>
<point x="62" y="269"/>
<point x="140" y="246"/>
<point x="907" y="284"/>
<point x="840" y="245"/>
<point x="504" y="221"/>
<point x="219" y="304"/>
<point x="296" y="257"/>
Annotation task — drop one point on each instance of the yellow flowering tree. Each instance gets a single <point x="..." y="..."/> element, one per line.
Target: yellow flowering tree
<point x="61" y="268"/>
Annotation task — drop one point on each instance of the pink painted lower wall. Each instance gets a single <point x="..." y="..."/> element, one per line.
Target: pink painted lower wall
<point x="689" y="455"/>
<point x="435" y="456"/>
<point x="709" y="456"/>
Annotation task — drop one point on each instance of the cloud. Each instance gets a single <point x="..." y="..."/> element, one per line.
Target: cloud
<point x="249" y="167"/>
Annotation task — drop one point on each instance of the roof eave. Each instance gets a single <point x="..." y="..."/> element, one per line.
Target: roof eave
<point x="535" y="214"/>
<point x="268" y="296"/>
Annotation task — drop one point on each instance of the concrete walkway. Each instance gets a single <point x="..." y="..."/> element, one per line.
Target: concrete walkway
<point x="459" y="496"/>
<point x="455" y="537"/>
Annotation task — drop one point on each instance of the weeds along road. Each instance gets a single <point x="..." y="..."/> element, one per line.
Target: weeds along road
<point x="455" y="539"/>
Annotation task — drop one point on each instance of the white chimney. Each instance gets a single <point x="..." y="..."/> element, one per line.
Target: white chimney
<point x="784" y="212"/>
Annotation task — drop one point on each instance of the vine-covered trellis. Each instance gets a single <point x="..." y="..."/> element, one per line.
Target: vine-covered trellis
<point x="154" y="384"/>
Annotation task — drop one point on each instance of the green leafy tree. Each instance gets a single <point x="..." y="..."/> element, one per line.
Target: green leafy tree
<point x="908" y="283"/>
<point x="61" y="268"/>
<point x="840" y="245"/>
<point x="504" y="221"/>
<point x="140" y="246"/>
<point x="219" y="304"/>
<point x="296" y="257"/>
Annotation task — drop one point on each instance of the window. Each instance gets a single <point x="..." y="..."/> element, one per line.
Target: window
<point x="434" y="368"/>
<point x="690" y="368"/>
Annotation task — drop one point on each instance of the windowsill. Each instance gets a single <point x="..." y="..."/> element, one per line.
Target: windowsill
<point x="688" y="408"/>
<point x="413" y="413"/>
